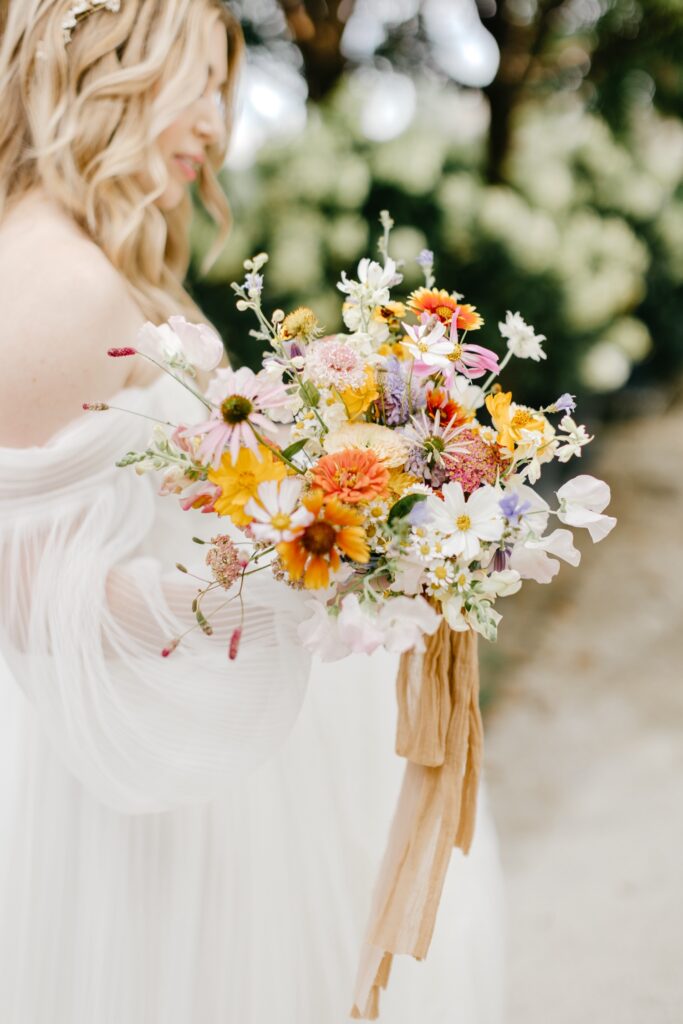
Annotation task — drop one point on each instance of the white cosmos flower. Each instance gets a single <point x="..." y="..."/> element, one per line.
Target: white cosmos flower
<point x="465" y="523"/>
<point x="428" y="343"/>
<point x="581" y="503"/>
<point x="181" y="344"/>
<point x="532" y="558"/>
<point x="522" y="341"/>
<point x="277" y="513"/>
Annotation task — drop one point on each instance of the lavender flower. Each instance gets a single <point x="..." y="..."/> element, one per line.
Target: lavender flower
<point x="565" y="403"/>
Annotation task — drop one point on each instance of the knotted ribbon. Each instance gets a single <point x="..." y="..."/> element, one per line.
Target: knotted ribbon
<point x="440" y="734"/>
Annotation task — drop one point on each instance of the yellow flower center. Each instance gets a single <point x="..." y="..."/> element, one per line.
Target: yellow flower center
<point x="318" y="538"/>
<point x="346" y="477"/>
<point x="456" y="354"/>
<point x="463" y="523"/>
<point x="521" y="419"/>
<point x="444" y="312"/>
<point x="246" y="481"/>
<point x="441" y="572"/>
<point x="280" y="521"/>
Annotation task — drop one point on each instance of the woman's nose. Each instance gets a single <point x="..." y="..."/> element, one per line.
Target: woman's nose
<point x="209" y="124"/>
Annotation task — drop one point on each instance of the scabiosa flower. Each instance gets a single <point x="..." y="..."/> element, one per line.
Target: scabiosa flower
<point x="352" y="475"/>
<point x="446" y="306"/>
<point x="432" y="445"/>
<point x="224" y="561"/>
<point x="316" y="550"/>
<point x="333" y="364"/>
<point x="478" y="464"/>
<point x="276" y="511"/>
<point x="242" y="397"/>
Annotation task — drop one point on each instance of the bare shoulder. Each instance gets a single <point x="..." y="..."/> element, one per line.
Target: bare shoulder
<point x="63" y="305"/>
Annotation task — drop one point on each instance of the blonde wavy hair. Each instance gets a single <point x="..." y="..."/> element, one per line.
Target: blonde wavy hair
<point x="81" y="121"/>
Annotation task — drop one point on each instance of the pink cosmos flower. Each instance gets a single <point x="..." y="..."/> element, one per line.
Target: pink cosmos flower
<point x="471" y="360"/>
<point x="241" y="397"/>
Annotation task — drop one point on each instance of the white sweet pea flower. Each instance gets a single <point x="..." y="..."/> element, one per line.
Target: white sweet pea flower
<point x="465" y="523"/>
<point x="358" y="627"/>
<point x="573" y="440"/>
<point x="532" y="560"/>
<point x="320" y="635"/>
<point x="581" y="503"/>
<point x="500" y="584"/>
<point x="453" y="612"/>
<point x="468" y="395"/>
<point x="522" y="341"/>
<point x="181" y="345"/>
<point x="404" y="622"/>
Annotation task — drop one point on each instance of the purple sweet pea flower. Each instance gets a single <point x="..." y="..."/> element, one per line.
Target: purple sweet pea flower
<point x="565" y="403"/>
<point x="513" y="509"/>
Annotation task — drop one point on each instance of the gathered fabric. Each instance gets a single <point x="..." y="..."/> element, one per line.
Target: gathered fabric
<point x="440" y="734"/>
<point x="191" y="838"/>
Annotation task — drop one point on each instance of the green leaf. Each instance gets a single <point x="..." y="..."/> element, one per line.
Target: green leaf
<point x="404" y="506"/>
<point x="294" y="449"/>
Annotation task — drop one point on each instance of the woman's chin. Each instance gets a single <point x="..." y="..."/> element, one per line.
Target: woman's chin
<point x="171" y="197"/>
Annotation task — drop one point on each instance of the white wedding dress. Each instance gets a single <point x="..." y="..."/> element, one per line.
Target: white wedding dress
<point x="191" y="840"/>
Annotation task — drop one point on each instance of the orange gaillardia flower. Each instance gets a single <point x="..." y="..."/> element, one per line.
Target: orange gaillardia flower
<point x="451" y="412"/>
<point x="317" y="548"/>
<point x="352" y="475"/>
<point x="440" y="303"/>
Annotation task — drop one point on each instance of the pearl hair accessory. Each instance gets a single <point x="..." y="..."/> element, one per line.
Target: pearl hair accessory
<point x="79" y="11"/>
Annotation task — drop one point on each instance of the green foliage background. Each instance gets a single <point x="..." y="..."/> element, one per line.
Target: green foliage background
<point x="565" y="203"/>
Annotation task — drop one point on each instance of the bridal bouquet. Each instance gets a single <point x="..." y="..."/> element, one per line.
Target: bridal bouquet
<point x="384" y="470"/>
<point x="387" y="472"/>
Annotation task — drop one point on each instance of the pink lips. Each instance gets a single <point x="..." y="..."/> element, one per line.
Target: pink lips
<point x="188" y="166"/>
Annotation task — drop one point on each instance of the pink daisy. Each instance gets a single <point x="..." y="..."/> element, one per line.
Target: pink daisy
<point x="240" y="399"/>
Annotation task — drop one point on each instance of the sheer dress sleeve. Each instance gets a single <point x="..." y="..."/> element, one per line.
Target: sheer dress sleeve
<point x="86" y="610"/>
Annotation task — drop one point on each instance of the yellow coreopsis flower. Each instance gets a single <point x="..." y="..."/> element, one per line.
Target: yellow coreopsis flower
<point x="357" y="400"/>
<point x="239" y="480"/>
<point x="511" y="419"/>
<point x="394" y="348"/>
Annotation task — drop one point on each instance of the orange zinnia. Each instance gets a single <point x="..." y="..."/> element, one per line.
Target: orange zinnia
<point x="318" y="547"/>
<point x="352" y="475"/>
<point x="439" y="303"/>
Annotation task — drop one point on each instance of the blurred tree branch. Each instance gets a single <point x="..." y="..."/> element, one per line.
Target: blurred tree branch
<point x="317" y="27"/>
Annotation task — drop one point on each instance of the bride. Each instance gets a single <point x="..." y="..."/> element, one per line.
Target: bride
<point x="185" y="840"/>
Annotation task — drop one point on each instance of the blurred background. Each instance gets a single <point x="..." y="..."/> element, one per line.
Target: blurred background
<point x="537" y="147"/>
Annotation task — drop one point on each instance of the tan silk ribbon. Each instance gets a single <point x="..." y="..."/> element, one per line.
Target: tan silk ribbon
<point x="440" y="733"/>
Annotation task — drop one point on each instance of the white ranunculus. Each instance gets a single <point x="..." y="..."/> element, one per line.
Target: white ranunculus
<point x="522" y="340"/>
<point x="581" y="503"/>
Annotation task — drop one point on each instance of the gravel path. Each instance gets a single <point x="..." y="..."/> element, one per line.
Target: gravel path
<point x="585" y="758"/>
